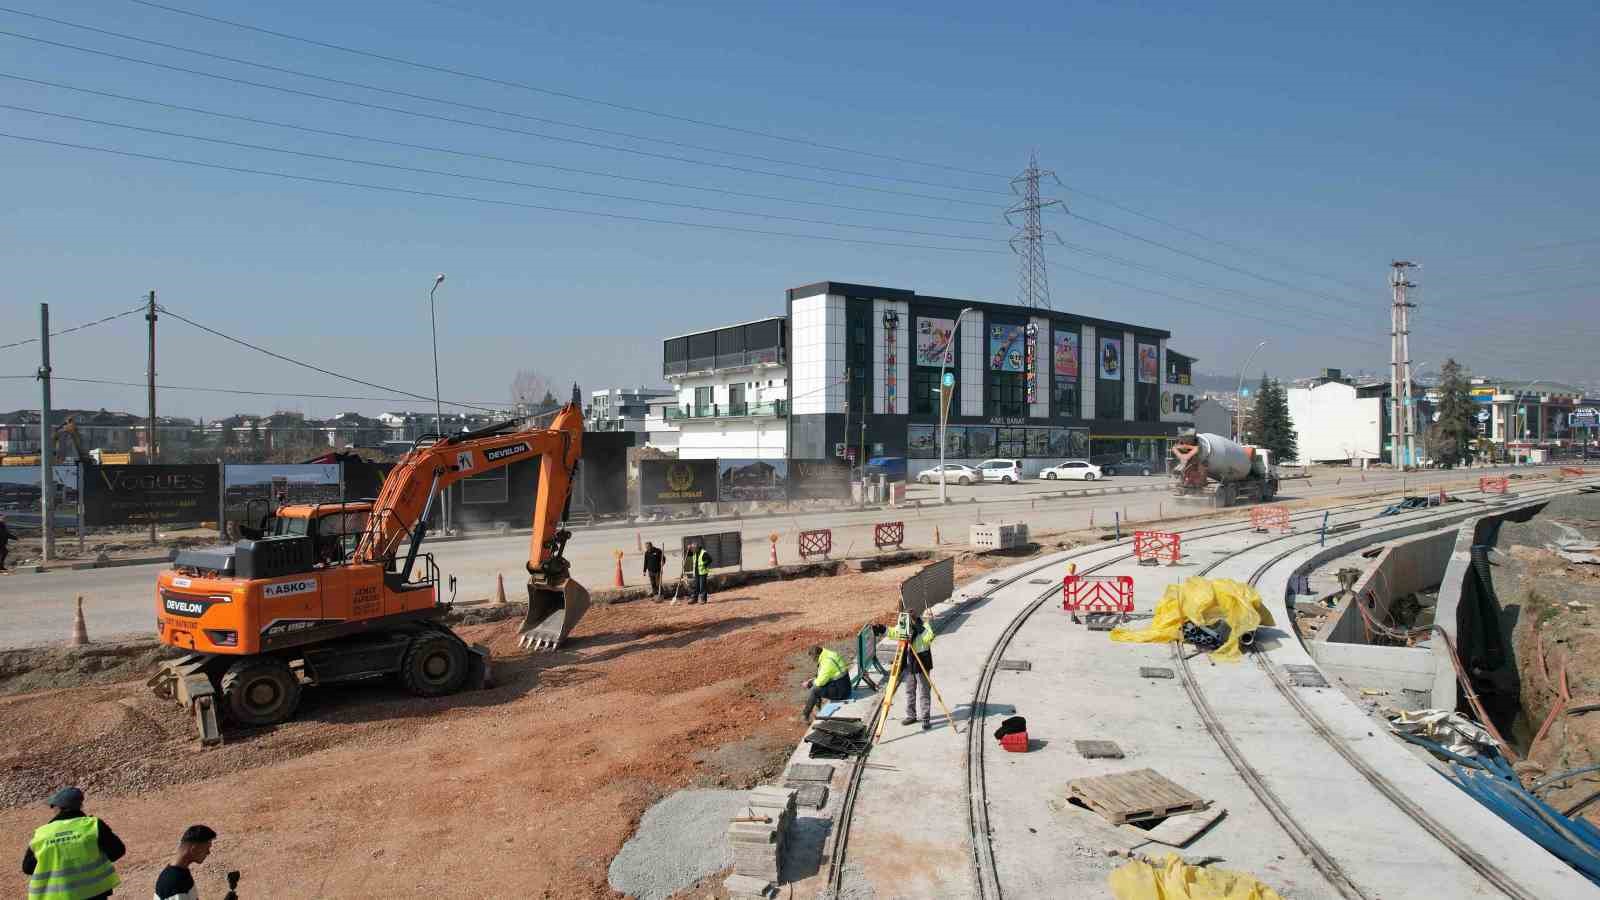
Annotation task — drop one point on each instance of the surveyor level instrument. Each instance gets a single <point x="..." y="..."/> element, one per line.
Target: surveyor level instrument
<point x="901" y="654"/>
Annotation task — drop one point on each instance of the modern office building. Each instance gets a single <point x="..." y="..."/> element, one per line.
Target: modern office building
<point x="1037" y="385"/>
<point x="622" y="409"/>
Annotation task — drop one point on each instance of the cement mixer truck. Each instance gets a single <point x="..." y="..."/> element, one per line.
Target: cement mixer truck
<point x="1211" y="468"/>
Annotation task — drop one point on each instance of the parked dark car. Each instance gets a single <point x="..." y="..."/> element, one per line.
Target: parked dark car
<point x="1116" y="463"/>
<point x="892" y="466"/>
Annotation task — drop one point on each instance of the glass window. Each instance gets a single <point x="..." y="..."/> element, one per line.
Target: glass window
<point x="1011" y="443"/>
<point x="924" y="391"/>
<point x="703" y="400"/>
<point x="1039" y="442"/>
<point x="1066" y="397"/>
<point x="955" y="441"/>
<point x="922" y="442"/>
<point x="1006" y="393"/>
<point x="702" y="351"/>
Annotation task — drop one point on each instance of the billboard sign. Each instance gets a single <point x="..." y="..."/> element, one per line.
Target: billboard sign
<point x="1585" y="417"/>
<point x="753" y="479"/>
<point x="1110" y="358"/>
<point x="1149" y="363"/>
<point x="1005" y="348"/>
<point x="1066" y="353"/>
<point x="933" y="341"/>
<point x="140" y="494"/>
<point x="819" y="479"/>
<point x="663" y="482"/>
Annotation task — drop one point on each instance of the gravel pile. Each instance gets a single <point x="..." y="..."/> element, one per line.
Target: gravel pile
<point x="680" y="840"/>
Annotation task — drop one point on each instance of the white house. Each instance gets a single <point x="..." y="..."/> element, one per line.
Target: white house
<point x="732" y="387"/>
<point x="1333" y="424"/>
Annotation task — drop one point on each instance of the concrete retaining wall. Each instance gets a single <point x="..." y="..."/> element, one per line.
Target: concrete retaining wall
<point x="1402" y="568"/>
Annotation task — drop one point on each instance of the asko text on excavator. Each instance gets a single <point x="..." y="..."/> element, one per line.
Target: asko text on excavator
<point x="340" y="591"/>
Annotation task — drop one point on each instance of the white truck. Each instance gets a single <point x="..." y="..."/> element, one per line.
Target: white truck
<point x="1209" y="467"/>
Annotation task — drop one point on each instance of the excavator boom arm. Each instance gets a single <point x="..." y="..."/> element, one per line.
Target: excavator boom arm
<point x="420" y="478"/>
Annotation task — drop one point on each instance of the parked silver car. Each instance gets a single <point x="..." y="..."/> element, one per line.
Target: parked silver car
<point x="953" y="472"/>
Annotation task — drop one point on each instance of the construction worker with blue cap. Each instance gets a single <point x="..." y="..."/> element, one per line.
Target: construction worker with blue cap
<point x="70" y="856"/>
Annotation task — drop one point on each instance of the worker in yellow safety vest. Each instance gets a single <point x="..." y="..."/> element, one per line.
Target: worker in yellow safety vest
<point x="700" y="561"/>
<point x="832" y="681"/>
<point x="921" y="638"/>
<point x="70" y="856"/>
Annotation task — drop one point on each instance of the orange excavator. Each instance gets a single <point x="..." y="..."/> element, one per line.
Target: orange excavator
<point x="337" y="592"/>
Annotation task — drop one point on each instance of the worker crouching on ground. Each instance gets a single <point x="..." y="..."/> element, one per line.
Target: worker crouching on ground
<point x="654" y="559"/>
<point x="916" y="677"/>
<point x="70" y="856"/>
<point x="832" y="681"/>
<point x="175" y="881"/>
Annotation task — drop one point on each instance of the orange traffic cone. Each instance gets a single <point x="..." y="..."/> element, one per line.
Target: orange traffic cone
<point x="618" y="555"/>
<point x="500" y="590"/>
<point x="772" y="558"/>
<point x="80" y="630"/>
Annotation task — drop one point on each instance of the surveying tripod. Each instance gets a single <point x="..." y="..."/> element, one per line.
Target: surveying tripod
<point x="901" y="653"/>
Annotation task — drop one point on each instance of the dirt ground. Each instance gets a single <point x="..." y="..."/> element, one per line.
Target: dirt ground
<point x="1557" y="631"/>
<point x="526" y="789"/>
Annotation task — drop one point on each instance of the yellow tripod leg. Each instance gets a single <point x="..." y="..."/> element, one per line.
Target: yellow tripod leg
<point x="942" y="705"/>
<point x="888" y="691"/>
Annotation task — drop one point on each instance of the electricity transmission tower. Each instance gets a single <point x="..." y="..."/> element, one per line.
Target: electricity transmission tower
<point x="1403" y="410"/>
<point x="1033" y="279"/>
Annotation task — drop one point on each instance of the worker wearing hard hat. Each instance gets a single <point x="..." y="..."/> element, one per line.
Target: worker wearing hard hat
<point x="920" y="638"/>
<point x="832" y="681"/>
<point x="70" y="856"/>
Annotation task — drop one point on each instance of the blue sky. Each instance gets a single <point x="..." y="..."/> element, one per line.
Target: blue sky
<point x="1314" y="144"/>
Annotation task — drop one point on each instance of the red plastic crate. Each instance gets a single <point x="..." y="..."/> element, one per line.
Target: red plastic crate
<point x="1016" y="742"/>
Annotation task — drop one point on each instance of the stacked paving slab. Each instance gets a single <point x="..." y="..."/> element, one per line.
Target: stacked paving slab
<point x="758" y="846"/>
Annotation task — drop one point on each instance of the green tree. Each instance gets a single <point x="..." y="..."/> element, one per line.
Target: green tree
<point x="1452" y="436"/>
<point x="1268" y="425"/>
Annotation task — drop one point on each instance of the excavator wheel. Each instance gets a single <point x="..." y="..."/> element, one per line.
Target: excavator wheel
<point x="260" y="690"/>
<point x="434" y="665"/>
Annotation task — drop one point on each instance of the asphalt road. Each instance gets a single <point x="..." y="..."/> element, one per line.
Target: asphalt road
<point x="37" y="609"/>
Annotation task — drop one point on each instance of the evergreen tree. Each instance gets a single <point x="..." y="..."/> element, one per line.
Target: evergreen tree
<point x="1269" y="426"/>
<point x="1452" y="435"/>
<point x="1254" y="424"/>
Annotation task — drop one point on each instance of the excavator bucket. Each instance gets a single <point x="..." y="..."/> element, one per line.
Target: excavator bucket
<point x="552" y="614"/>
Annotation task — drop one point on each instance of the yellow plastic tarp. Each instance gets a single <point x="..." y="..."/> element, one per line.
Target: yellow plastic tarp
<point x="1203" y="601"/>
<point x="1172" y="880"/>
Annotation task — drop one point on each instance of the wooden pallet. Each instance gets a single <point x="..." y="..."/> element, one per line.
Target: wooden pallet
<point x="1135" y="796"/>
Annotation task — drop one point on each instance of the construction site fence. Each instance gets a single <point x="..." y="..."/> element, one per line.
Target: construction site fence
<point x="888" y="534"/>
<point x="1097" y="593"/>
<point x="1156" y="547"/>
<point x="816" y="542"/>
<point x="1266" y="518"/>
<point x="1574" y="471"/>
<point x="1493" y="484"/>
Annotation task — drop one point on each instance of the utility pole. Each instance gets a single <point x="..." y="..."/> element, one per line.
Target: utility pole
<point x="1402" y="415"/>
<point x="150" y="372"/>
<point x="1033" y="278"/>
<point x="47" y="475"/>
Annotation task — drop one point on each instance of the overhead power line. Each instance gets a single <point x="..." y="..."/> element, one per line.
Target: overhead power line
<point x="489" y="180"/>
<point x="247" y="393"/>
<point x="315" y="368"/>
<point x="444" y="101"/>
<point x="496" y="201"/>
<point x="567" y="95"/>
<point x="101" y="321"/>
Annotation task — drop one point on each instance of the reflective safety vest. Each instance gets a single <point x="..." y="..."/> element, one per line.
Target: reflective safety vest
<point x="69" y="863"/>
<point x="830" y="665"/>
<point x="700" y="558"/>
<point x="921" y="642"/>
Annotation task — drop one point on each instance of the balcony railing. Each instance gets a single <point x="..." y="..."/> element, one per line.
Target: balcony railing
<point x="776" y="408"/>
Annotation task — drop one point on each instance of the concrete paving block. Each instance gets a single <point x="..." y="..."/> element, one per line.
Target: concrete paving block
<point x="809" y="772"/>
<point x="812" y="796"/>
<point x="747" y="886"/>
<point x="1155" y="672"/>
<point x="1098" y="749"/>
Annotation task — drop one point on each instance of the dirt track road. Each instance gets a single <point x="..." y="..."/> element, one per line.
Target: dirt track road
<point x="525" y="790"/>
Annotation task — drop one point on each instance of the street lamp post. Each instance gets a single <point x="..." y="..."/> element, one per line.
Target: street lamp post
<point x="1238" y="392"/>
<point x="944" y="402"/>
<point x="438" y="407"/>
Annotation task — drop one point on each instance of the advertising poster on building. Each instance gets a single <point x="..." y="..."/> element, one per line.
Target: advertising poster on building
<point x="139" y="494"/>
<point x="1031" y="362"/>
<point x="1111" y="358"/>
<point x="753" y="479"/>
<point x="933" y="342"/>
<point x="1005" y="348"/>
<point x="1066" y="354"/>
<point x="819" y="479"/>
<point x="663" y="482"/>
<point x="1149" y="363"/>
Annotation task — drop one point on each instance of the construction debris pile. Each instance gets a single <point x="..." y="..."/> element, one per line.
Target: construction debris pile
<point x="758" y="839"/>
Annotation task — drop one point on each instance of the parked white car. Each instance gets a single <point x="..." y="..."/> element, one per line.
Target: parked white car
<point x="953" y="472"/>
<point x="1078" y="469"/>
<point x="1005" y="471"/>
